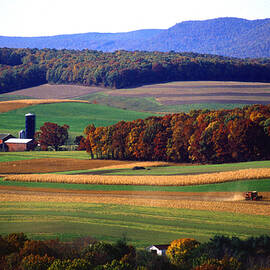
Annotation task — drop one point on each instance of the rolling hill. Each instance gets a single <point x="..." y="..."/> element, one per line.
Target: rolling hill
<point x="156" y="98"/>
<point x="232" y="37"/>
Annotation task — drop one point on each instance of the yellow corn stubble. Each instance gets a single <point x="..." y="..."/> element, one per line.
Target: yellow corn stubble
<point x="175" y="180"/>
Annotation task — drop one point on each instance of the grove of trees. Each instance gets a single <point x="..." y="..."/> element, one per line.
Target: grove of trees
<point x="201" y="136"/>
<point x="17" y="252"/>
<point x="21" y="68"/>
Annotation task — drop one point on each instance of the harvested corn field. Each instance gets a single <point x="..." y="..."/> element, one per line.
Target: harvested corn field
<point x="175" y="180"/>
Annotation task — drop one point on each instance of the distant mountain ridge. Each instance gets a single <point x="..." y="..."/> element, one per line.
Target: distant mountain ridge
<point x="233" y="37"/>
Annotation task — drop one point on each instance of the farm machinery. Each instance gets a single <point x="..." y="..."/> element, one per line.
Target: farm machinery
<point x="252" y="196"/>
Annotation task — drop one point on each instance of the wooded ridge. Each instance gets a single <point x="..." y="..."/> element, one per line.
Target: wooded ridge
<point x="22" y="68"/>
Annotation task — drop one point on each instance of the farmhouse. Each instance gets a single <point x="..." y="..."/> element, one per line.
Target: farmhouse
<point x="159" y="249"/>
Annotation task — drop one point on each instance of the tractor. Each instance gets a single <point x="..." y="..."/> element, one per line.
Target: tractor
<point x="252" y="196"/>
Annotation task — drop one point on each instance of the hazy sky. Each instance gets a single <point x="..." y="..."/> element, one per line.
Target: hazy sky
<point x="52" y="17"/>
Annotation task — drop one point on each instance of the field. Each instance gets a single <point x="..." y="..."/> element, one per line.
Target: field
<point x="55" y="197"/>
<point x="145" y="214"/>
<point x="54" y="91"/>
<point x="167" y="97"/>
<point x="6" y="106"/>
<point x="143" y="226"/>
<point x="185" y="96"/>
<point x="67" y="113"/>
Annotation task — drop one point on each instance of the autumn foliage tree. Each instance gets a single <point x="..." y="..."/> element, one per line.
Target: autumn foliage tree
<point x="180" y="252"/>
<point x="51" y="134"/>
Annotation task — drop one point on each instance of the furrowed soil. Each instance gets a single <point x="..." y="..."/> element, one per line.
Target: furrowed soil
<point x="46" y="165"/>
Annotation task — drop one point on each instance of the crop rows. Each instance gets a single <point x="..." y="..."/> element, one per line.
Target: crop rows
<point x="176" y="180"/>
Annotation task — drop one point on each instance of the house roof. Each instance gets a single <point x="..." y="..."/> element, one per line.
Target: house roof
<point x="16" y="140"/>
<point x="161" y="247"/>
<point x="4" y="135"/>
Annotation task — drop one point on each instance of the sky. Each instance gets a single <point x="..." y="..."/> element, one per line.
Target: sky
<point x="53" y="17"/>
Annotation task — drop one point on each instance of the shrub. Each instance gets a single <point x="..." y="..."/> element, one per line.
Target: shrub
<point x="225" y="264"/>
<point x="36" y="262"/>
<point x="76" y="264"/>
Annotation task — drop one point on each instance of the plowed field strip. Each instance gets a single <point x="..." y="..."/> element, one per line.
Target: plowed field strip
<point x="44" y="165"/>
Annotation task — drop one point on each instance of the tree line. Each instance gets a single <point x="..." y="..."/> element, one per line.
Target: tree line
<point x="240" y="134"/>
<point x="21" y="68"/>
<point x="17" y="252"/>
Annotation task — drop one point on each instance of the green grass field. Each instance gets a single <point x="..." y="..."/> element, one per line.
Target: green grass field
<point x="76" y="115"/>
<point x="14" y="156"/>
<point x="143" y="226"/>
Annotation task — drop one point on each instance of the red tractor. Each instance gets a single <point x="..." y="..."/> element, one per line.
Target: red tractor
<point x="252" y="196"/>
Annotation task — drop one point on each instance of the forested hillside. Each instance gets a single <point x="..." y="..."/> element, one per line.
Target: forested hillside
<point x="223" y="36"/>
<point x="21" y="68"/>
<point x="233" y="37"/>
<point x="200" y="136"/>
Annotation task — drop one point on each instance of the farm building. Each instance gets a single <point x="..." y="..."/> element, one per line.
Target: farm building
<point x="26" y="140"/>
<point x="159" y="249"/>
<point x="3" y="139"/>
<point x="19" y="145"/>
